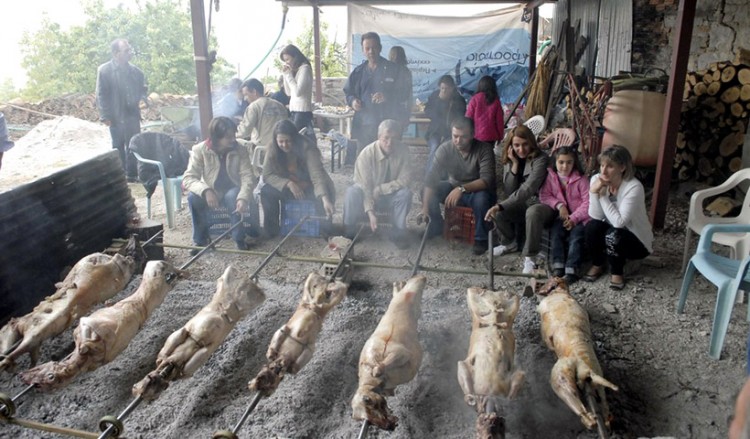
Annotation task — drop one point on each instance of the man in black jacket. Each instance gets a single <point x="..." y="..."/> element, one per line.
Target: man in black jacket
<point x="120" y="86"/>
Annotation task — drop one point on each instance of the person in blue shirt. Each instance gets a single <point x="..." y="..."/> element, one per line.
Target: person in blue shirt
<point x="372" y="91"/>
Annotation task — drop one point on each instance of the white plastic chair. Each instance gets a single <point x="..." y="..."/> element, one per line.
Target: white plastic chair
<point x="172" y="190"/>
<point x="259" y="156"/>
<point x="536" y="124"/>
<point x="738" y="242"/>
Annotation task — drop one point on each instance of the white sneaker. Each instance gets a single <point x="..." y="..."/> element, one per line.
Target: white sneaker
<point x="528" y="266"/>
<point x="504" y="249"/>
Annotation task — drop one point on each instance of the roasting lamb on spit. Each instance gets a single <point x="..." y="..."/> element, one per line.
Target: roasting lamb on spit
<point x="100" y="337"/>
<point x="188" y="348"/>
<point x="489" y="369"/>
<point x="391" y="356"/>
<point x="293" y="345"/>
<point x="93" y="280"/>
<point x="566" y="331"/>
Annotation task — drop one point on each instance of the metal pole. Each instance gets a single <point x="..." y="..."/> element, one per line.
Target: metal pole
<point x="421" y="249"/>
<point x="268" y="258"/>
<point x="363" y="430"/>
<point x="151" y="239"/>
<point x="491" y="257"/>
<point x="211" y="245"/>
<point x="345" y="256"/>
<point x="249" y="410"/>
<point x="7" y="404"/>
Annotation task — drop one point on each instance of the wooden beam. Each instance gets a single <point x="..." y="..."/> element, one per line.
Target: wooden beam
<point x="535" y="4"/>
<point x="534" y="33"/>
<point x="316" y="41"/>
<point x="202" y="66"/>
<point x="680" y="54"/>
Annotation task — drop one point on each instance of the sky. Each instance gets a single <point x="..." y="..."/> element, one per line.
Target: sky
<point x="245" y="29"/>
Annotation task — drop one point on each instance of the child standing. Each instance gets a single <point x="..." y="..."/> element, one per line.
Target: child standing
<point x="566" y="191"/>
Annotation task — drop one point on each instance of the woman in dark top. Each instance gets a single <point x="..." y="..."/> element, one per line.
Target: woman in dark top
<point x="293" y="170"/>
<point x="524" y="172"/>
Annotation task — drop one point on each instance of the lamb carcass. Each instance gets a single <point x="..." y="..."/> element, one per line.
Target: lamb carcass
<point x="101" y="336"/>
<point x="391" y="356"/>
<point x="489" y="370"/>
<point x="566" y="331"/>
<point x="93" y="280"/>
<point x="189" y="347"/>
<point x="293" y="345"/>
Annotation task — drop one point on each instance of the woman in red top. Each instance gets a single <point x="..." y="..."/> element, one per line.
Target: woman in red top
<point x="486" y="111"/>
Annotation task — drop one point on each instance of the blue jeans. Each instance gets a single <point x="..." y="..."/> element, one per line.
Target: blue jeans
<point x="574" y="240"/>
<point x="199" y="212"/>
<point x="397" y="204"/>
<point x="480" y="202"/>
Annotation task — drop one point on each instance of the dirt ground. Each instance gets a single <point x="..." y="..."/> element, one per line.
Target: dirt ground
<point x="668" y="386"/>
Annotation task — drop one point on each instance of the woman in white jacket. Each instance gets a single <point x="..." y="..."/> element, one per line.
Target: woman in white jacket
<point x="619" y="228"/>
<point x="298" y="82"/>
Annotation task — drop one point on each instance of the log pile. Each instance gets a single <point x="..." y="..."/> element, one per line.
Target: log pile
<point x="82" y="106"/>
<point x="715" y="110"/>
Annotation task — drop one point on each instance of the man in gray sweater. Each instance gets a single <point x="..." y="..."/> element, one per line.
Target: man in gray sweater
<point x="463" y="174"/>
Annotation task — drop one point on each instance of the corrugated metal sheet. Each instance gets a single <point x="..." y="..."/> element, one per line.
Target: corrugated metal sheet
<point x="608" y="24"/>
<point x="615" y="38"/>
<point x="52" y="222"/>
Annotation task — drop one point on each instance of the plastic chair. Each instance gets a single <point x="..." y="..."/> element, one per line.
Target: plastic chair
<point x="259" y="156"/>
<point x="729" y="275"/>
<point x="739" y="243"/>
<point x="536" y="124"/>
<point x="170" y="159"/>
<point x="172" y="191"/>
<point x="559" y="137"/>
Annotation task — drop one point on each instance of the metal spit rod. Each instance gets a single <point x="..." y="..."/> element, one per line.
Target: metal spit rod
<point x="111" y="425"/>
<point x="366" y="423"/>
<point x="7" y="411"/>
<point x="258" y="396"/>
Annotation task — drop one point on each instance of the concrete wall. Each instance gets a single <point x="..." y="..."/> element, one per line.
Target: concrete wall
<point x="720" y="28"/>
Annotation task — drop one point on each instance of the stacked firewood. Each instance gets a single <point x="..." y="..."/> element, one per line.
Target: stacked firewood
<point x="715" y="110"/>
<point x="82" y="106"/>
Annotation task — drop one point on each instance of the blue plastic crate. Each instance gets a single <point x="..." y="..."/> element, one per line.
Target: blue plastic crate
<point x="292" y="211"/>
<point x="218" y="221"/>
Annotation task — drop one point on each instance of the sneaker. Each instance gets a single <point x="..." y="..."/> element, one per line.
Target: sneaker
<point x="242" y="245"/>
<point x="528" y="266"/>
<point x="480" y="247"/>
<point x="505" y="249"/>
<point x="558" y="272"/>
<point x="570" y="278"/>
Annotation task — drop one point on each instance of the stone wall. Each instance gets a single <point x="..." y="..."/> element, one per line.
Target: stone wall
<point x="720" y="29"/>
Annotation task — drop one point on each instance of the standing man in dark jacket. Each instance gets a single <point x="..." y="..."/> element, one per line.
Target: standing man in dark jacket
<point x="120" y="86"/>
<point x="371" y="90"/>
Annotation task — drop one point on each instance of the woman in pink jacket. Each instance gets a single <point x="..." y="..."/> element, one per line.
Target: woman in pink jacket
<point x="566" y="191"/>
<point x="486" y="111"/>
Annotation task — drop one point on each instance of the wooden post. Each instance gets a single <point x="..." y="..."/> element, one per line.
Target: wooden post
<point x="672" y="110"/>
<point x="200" y="54"/>
<point x="316" y="40"/>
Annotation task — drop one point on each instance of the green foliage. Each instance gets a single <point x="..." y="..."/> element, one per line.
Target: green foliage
<point x="59" y="62"/>
<point x="333" y="54"/>
<point x="7" y="90"/>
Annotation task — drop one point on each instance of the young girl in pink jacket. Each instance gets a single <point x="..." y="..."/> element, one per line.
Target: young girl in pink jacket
<point x="566" y="191"/>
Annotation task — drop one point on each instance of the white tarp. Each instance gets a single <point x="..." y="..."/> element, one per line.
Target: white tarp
<point x="494" y="43"/>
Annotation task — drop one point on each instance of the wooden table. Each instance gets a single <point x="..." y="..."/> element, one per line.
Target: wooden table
<point x="345" y="120"/>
